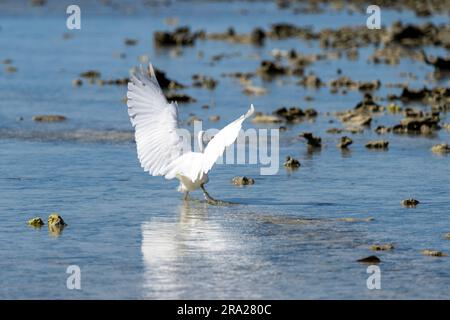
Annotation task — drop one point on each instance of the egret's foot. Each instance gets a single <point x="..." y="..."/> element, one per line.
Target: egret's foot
<point x="214" y="202"/>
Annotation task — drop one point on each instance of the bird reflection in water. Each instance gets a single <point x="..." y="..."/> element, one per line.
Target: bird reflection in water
<point x="178" y="253"/>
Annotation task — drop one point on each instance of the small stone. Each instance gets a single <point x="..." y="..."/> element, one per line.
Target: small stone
<point x="369" y="219"/>
<point x="10" y="69"/>
<point x="433" y="253"/>
<point x="265" y="118"/>
<point x="345" y="142"/>
<point x="334" y="130"/>
<point x="382" y="129"/>
<point x="90" y="74"/>
<point x="377" y="144"/>
<point x="214" y="118"/>
<point x="202" y="81"/>
<point x="311" y="81"/>
<point x="291" y="162"/>
<point x="49" y="118"/>
<point x="254" y="90"/>
<point x="130" y="42"/>
<point x="36" y="222"/>
<point x="382" y="247"/>
<point x="77" y="82"/>
<point x="394" y="108"/>
<point x="410" y="203"/>
<point x="242" y="181"/>
<point x="370" y="259"/>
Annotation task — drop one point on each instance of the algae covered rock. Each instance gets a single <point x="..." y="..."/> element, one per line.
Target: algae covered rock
<point x="345" y="142"/>
<point x="242" y="181"/>
<point x="56" y="224"/>
<point x="377" y="144"/>
<point x="433" y="253"/>
<point x="291" y="163"/>
<point x="36" y="222"/>
<point x="265" y="118"/>
<point x="55" y="220"/>
<point x="441" y="148"/>
<point x="49" y="118"/>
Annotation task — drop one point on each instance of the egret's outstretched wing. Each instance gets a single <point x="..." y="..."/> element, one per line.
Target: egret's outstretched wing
<point x="223" y="139"/>
<point x="155" y="122"/>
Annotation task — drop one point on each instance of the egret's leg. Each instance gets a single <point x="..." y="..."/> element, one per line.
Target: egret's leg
<point x="211" y="200"/>
<point x="186" y="195"/>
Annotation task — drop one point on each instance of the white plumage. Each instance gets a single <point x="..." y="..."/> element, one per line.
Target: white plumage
<point x="160" y="149"/>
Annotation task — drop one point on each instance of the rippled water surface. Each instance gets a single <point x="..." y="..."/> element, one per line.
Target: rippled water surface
<point x="134" y="237"/>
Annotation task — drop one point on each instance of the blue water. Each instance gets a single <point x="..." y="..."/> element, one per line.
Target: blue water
<point x="132" y="235"/>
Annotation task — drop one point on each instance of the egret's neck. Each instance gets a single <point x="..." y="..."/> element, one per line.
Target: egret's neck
<point x="200" y="141"/>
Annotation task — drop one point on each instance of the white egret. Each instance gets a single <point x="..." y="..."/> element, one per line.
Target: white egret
<point x="160" y="149"/>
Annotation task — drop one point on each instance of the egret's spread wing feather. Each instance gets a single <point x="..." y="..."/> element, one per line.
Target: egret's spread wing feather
<point x="223" y="139"/>
<point x="155" y="122"/>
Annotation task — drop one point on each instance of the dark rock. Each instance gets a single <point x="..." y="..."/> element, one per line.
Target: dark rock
<point x="438" y="62"/>
<point x="258" y="36"/>
<point x="410" y="203"/>
<point x="130" y="42"/>
<point x="167" y="83"/>
<point x="179" y="97"/>
<point x="292" y="114"/>
<point x="370" y="259"/>
<point x="312" y="140"/>
<point x="181" y="36"/>
<point x="271" y="69"/>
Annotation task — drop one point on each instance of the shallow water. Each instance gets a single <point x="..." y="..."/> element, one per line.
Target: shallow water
<point x="132" y="235"/>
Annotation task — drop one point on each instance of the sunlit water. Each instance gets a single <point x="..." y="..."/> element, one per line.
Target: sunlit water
<point x="133" y="236"/>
